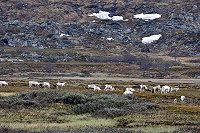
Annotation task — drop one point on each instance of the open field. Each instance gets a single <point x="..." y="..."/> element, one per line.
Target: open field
<point x="75" y="108"/>
<point x="64" y="41"/>
<point x="78" y="109"/>
<point x="100" y="77"/>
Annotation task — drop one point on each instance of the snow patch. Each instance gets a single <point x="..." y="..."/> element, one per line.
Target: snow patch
<point x="117" y="18"/>
<point x="147" y="16"/>
<point x="61" y="35"/>
<point x="109" y="39"/>
<point x="105" y="15"/>
<point x="101" y="15"/>
<point x="150" y="39"/>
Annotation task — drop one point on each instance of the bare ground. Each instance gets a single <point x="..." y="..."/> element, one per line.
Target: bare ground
<point x="105" y="78"/>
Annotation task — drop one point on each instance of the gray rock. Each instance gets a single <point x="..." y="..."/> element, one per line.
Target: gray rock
<point x="127" y="31"/>
<point x="115" y="25"/>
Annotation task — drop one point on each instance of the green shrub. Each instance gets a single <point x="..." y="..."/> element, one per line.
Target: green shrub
<point x="42" y="97"/>
<point x="108" y="105"/>
<point x="143" y="106"/>
<point x="30" y="98"/>
<point x="73" y="98"/>
<point x="85" y="74"/>
<point x="145" y="62"/>
<point x="25" y="103"/>
<point x="99" y="102"/>
<point x="111" y="112"/>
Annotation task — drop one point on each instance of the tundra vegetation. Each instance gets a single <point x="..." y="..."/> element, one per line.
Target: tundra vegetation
<point x="78" y="109"/>
<point x="68" y="41"/>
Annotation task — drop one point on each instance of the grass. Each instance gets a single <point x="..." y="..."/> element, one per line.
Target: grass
<point x="4" y="94"/>
<point x="72" y="122"/>
<point x="49" y="115"/>
<point x="160" y="117"/>
<point x="102" y="123"/>
<point x="182" y="107"/>
<point x="156" y="129"/>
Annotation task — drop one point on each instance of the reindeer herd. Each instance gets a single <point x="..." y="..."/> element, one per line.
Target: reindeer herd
<point x="163" y="89"/>
<point x="36" y="84"/>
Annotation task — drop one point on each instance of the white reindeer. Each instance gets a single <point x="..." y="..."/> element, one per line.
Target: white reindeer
<point x="109" y="88"/>
<point x="46" y="84"/>
<point x="59" y="84"/>
<point x="183" y="98"/>
<point x="128" y="91"/>
<point x="143" y="88"/>
<point x="3" y="84"/>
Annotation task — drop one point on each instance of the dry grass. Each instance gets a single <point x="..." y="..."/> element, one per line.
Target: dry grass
<point x="182" y="107"/>
<point x="76" y="124"/>
<point x="160" y="117"/>
<point x="4" y="94"/>
<point x="60" y="117"/>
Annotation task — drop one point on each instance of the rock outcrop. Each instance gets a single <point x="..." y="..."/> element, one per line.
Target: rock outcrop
<point x="67" y="25"/>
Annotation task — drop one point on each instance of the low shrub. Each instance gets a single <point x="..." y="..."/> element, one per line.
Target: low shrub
<point x="194" y="61"/>
<point x="188" y="129"/>
<point x="29" y="99"/>
<point x="24" y="103"/>
<point x="143" y="106"/>
<point x="145" y="62"/>
<point x="99" y="102"/>
<point x="111" y="105"/>
<point x="111" y="112"/>
<point x="73" y="98"/>
<point x="85" y="74"/>
<point x="44" y="96"/>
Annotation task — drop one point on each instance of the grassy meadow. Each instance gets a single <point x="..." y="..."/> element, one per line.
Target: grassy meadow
<point x="75" y="108"/>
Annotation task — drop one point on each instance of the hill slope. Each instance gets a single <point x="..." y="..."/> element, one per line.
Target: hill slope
<point x="39" y="24"/>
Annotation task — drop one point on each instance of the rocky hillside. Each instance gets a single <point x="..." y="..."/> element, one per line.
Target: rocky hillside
<point x="70" y="25"/>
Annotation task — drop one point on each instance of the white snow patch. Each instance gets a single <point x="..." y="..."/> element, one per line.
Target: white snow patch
<point x="109" y="39"/>
<point x="117" y="18"/>
<point x="101" y="15"/>
<point x="105" y="15"/>
<point x="61" y="35"/>
<point x="150" y="39"/>
<point x="125" y="19"/>
<point x="147" y="16"/>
